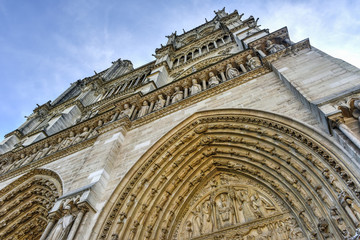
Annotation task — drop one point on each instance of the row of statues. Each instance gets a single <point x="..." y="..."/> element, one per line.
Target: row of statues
<point x="179" y="94"/>
<point x="48" y="149"/>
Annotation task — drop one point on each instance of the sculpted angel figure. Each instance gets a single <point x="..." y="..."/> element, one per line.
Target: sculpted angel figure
<point x="195" y="88"/>
<point x="231" y="72"/>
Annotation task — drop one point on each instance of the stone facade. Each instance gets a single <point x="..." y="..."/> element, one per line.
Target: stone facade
<point x="233" y="132"/>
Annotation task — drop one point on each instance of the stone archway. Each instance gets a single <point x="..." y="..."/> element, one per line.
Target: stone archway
<point x="25" y="203"/>
<point x="250" y="173"/>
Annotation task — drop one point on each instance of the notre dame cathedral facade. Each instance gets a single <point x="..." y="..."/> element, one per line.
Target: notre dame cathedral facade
<point x="233" y="132"/>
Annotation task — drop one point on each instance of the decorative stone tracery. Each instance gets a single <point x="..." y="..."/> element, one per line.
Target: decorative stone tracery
<point x="188" y="178"/>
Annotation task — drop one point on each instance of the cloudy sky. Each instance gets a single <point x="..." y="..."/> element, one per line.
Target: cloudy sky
<point x="46" y="45"/>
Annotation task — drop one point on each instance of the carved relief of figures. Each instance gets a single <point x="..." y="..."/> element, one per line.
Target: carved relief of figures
<point x="82" y="136"/>
<point x="144" y="109"/>
<point x="350" y="207"/>
<point x="195" y="88"/>
<point x="126" y="111"/>
<point x="177" y="96"/>
<point x="213" y="80"/>
<point x="273" y="47"/>
<point x="207" y="220"/>
<point x="225" y="211"/>
<point x="197" y="221"/>
<point x="255" y="205"/>
<point x="253" y="62"/>
<point x="160" y="103"/>
<point x="225" y="206"/>
<point x="339" y="221"/>
<point x="68" y="140"/>
<point x="231" y="72"/>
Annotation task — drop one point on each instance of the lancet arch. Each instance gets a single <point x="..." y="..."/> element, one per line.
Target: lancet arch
<point x="237" y="174"/>
<point x="25" y="203"/>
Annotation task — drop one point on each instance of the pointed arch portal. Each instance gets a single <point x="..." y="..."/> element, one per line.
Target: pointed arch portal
<point x="237" y="174"/>
<point x="25" y="203"/>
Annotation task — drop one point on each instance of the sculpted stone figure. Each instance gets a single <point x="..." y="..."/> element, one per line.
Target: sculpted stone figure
<point x="144" y="109"/>
<point x="126" y="111"/>
<point x="225" y="212"/>
<point x="62" y="227"/>
<point x="207" y="218"/>
<point x="273" y="47"/>
<point x="255" y="205"/>
<point x="253" y="62"/>
<point x="231" y="72"/>
<point x="82" y="136"/>
<point x="197" y="221"/>
<point x="213" y="80"/>
<point x="195" y="88"/>
<point x="177" y="95"/>
<point x="68" y="140"/>
<point x="160" y="103"/>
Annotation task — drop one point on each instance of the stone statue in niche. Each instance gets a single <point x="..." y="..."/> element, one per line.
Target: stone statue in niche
<point x="67" y="142"/>
<point x="82" y="136"/>
<point x="126" y="111"/>
<point x="177" y="95"/>
<point x="63" y="225"/>
<point x="253" y="62"/>
<point x="160" y="103"/>
<point x="195" y="88"/>
<point x="213" y="80"/>
<point x="231" y="72"/>
<point x="42" y="153"/>
<point x="273" y="47"/>
<point x="144" y="109"/>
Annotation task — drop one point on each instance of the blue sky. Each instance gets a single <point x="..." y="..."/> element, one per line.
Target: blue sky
<point x="46" y="45"/>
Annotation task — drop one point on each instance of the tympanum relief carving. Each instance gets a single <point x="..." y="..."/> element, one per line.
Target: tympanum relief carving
<point x="235" y="206"/>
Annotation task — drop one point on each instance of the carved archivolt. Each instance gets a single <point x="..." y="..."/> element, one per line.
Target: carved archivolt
<point x="231" y="174"/>
<point x="24" y="204"/>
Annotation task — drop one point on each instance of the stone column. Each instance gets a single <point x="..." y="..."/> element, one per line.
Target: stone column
<point x="168" y="98"/>
<point x="115" y="116"/>
<point x="203" y="81"/>
<point x="76" y="224"/>
<point x="242" y="68"/>
<point x="186" y="90"/>
<point x="152" y="103"/>
<point x="48" y="229"/>
<point x="338" y="122"/>
<point x="223" y="78"/>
